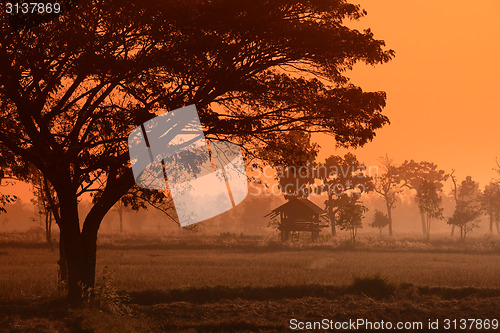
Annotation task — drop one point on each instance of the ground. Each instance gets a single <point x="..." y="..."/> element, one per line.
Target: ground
<point x="252" y="284"/>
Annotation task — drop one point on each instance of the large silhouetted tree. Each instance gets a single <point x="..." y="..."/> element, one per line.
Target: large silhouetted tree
<point x="73" y="88"/>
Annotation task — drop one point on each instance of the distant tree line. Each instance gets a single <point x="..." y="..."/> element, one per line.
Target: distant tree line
<point x="347" y="180"/>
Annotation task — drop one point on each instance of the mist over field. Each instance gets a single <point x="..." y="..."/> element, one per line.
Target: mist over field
<point x="247" y="218"/>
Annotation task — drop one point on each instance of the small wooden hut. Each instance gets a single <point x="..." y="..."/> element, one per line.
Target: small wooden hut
<point x="299" y="215"/>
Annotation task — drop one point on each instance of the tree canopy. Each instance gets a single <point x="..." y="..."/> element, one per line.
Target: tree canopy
<point x="490" y="203"/>
<point x="380" y="220"/>
<point x="426" y="179"/>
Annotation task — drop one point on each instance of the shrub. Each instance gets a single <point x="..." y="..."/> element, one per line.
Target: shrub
<point x="376" y="287"/>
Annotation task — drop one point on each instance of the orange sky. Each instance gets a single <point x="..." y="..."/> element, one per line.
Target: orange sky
<point x="442" y="87"/>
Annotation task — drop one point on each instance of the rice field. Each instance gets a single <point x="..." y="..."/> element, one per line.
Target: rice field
<point x="32" y="272"/>
<point x="211" y="284"/>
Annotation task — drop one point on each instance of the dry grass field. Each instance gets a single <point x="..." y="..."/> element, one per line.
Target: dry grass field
<point x="237" y="283"/>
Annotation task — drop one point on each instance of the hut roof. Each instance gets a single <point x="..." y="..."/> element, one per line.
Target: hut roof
<point x="297" y="203"/>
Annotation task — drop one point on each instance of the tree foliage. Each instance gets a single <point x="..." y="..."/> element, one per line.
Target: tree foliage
<point x="380" y="220"/>
<point x="429" y="203"/>
<point x="344" y="179"/>
<point x="467" y="206"/>
<point x="426" y="179"/>
<point x="465" y="216"/>
<point x="388" y="185"/>
<point x="350" y="214"/>
<point x="490" y="203"/>
<point x="296" y="164"/>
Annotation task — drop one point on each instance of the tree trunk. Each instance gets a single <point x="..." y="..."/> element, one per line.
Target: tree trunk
<point x="332" y="225"/>
<point x="332" y="222"/>
<point x="72" y="243"/>
<point x="89" y="244"/>
<point x="93" y="222"/>
<point x="63" y="266"/>
<point x="491" y="222"/>
<point x="424" y="229"/>
<point x="331" y="214"/>
<point x="89" y="241"/>
<point x="428" y="229"/>
<point x="80" y="247"/>
<point x="120" y="215"/>
<point x="48" y="227"/>
<point x="389" y="215"/>
<point x="47" y="210"/>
